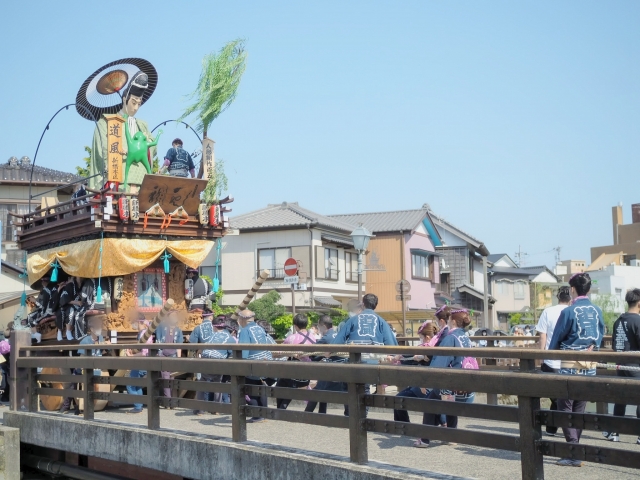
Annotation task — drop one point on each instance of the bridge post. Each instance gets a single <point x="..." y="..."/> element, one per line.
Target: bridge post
<point x="153" y="407"/>
<point x="19" y="377"/>
<point x="87" y="380"/>
<point x="492" y="398"/>
<point x="357" y="418"/>
<point x="238" y="401"/>
<point x="33" y="395"/>
<point x="531" y="460"/>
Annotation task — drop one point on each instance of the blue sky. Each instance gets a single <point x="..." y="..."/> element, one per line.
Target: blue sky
<point x="516" y="121"/>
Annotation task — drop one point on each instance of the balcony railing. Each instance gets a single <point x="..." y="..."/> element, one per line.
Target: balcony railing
<point x="274" y="273"/>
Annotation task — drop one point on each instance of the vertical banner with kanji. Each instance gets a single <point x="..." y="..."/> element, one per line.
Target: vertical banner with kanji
<point x="208" y="158"/>
<point x="115" y="148"/>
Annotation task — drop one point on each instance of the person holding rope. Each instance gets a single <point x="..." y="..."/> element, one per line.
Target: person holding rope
<point x="580" y="327"/>
<point x="626" y="338"/>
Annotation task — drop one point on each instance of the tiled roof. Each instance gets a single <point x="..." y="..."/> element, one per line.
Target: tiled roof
<point x="22" y="171"/>
<point x="375" y="222"/>
<point x="447" y="225"/>
<point x="511" y="271"/>
<point x="9" y="296"/>
<point x="286" y="215"/>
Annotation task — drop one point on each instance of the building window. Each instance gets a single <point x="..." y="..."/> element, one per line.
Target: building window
<point x="420" y="266"/>
<point x="273" y="259"/>
<point x="331" y="264"/>
<point x="502" y="288"/>
<point x="350" y="267"/>
<point x="7" y="233"/>
<point x="518" y="290"/>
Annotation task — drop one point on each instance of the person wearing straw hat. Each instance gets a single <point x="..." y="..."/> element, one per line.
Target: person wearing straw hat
<point x="252" y="333"/>
<point x="211" y="332"/>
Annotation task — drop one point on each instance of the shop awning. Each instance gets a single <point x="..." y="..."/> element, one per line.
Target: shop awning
<point x="328" y="301"/>
<point x="464" y="288"/>
<point x="338" y="240"/>
<point x="426" y="253"/>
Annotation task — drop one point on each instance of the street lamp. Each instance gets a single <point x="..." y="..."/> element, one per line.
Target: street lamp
<point x="360" y="237"/>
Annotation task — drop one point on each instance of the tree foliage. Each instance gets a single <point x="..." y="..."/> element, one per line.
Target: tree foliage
<point x="218" y="84"/>
<point x="84" y="171"/>
<point x="608" y="304"/>
<point x="217" y="184"/>
<point x="267" y="307"/>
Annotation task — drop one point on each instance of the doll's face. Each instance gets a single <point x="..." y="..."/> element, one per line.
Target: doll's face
<point x="132" y="105"/>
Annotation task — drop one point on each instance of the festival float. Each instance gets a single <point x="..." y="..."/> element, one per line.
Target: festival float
<point x="124" y="242"/>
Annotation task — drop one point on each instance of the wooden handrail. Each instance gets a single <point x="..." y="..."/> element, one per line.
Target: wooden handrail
<point x="479" y="352"/>
<point x="528" y="386"/>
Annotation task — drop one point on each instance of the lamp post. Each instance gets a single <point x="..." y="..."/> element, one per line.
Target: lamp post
<point x="360" y="237"/>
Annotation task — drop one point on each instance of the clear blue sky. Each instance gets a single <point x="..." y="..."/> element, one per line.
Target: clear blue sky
<point x="516" y="121"/>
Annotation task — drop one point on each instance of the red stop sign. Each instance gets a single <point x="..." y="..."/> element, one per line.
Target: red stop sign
<point x="290" y="267"/>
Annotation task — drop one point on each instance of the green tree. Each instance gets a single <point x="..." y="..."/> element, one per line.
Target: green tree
<point x="608" y="304"/>
<point x="217" y="184"/>
<point x="514" y="319"/>
<point x="267" y="307"/>
<point x="282" y="324"/>
<point x="218" y="84"/>
<point x="84" y="171"/>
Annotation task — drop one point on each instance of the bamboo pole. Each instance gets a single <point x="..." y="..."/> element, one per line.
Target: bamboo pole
<point x="252" y="293"/>
<point x="157" y="320"/>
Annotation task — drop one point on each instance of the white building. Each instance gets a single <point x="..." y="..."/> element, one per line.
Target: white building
<point x="267" y="237"/>
<point x="615" y="280"/>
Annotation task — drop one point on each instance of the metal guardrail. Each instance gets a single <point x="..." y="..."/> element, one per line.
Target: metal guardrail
<point x="527" y="385"/>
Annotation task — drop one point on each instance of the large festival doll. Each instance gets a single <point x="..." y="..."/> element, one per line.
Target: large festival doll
<point x="132" y="99"/>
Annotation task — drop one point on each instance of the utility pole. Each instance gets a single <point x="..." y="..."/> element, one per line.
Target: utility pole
<point x="557" y="250"/>
<point x="520" y="257"/>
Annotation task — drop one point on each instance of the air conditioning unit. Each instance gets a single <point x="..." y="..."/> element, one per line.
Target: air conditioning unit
<point x="635" y="263"/>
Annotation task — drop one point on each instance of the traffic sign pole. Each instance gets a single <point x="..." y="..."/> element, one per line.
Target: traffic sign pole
<point x="290" y="271"/>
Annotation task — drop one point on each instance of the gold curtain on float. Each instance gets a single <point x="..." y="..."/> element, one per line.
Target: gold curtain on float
<point x="120" y="256"/>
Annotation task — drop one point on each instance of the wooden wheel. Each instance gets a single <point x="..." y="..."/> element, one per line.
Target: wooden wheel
<point x="49" y="402"/>
<point x="98" y="405"/>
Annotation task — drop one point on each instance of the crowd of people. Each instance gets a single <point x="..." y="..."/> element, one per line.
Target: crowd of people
<point x="574" y="324"/>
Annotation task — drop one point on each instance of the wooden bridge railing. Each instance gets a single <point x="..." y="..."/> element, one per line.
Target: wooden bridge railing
<point x="526" y="384"/>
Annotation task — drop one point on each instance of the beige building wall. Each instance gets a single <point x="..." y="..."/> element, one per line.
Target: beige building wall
<point x="240" y="263"/>
<point x="504" y="293"/>
<point x="388" y="249"/>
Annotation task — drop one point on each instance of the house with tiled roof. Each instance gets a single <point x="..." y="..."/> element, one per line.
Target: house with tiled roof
<point x="526" y="290"/>
<point x="464" y="273"/>
<point x="263" y="239"/>
<point x="403" y="248"/>
<point x="15" y="178"/>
